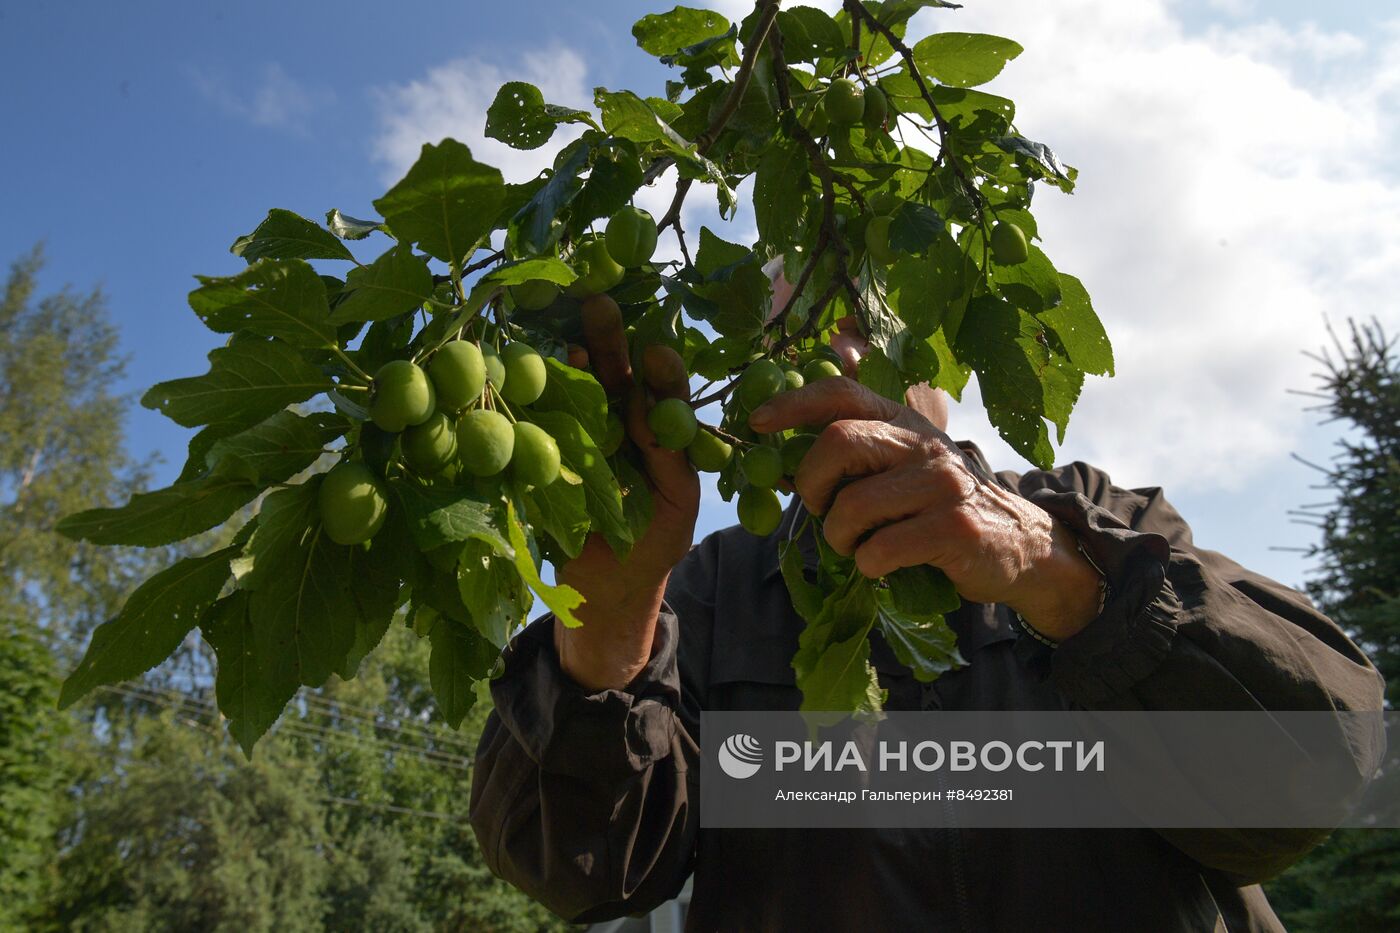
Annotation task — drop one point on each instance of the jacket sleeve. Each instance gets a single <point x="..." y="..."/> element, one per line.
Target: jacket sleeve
<point x="587" y="801"/>
<point x="1187" y="628"/>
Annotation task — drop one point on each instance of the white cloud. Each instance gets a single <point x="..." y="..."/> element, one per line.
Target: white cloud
<point x="277" y="100"/>
<point x="1225" y="204"/>
<point x="452" y="99"/>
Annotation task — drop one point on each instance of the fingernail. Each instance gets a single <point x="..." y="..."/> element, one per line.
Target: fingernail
<point x="762" y="416"/>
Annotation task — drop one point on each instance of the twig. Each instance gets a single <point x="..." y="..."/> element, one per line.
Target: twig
<point x="482" y="264"/>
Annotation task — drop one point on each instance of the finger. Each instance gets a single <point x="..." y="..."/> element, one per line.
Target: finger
<point x="578" y="356"/>
<point x="822" y="402"/>
<point x="848" y="448"/>
<point x="669" y="470"/>
<point x="607" y="343"/>
<point x="870" y="503"/>
<point x="663" y="370"/>
<point x="902" y="544"/>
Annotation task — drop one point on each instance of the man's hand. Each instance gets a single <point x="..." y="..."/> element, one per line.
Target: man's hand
<point x="895" y="492"/>
<point x="623" y="598"/>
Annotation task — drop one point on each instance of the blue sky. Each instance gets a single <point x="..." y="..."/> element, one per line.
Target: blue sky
<point x="145" y="137"/>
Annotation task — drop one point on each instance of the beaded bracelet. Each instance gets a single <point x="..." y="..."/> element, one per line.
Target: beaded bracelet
<point x="1103" y="599"/>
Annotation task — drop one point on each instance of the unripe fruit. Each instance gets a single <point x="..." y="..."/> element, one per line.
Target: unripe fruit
<point x="794" y="321"/>
<point x="402" y="396"/>
<point x="845" y="102"/>
<point x="596" y="268"/>
<point x="631" y="237"/>
<point x="485" y="442"/>
<point x="883" y="202"/>
<point x="458" y="372"/>
<point x="1009" y="246"/>
<point x="352" y="503"/>
<point x="763" y="466"/>
<point x="664" y="371"/>
<point x="793" y="379"/>
<point x="534" y="295"/>
<point x="617" y="431"/>
<point x="794" y="449"/>
<point x="876" y="110"/>
<point x="495" y="366"/>
<point x="819" y="123"/>
<point x="525" y="373"/>
<point x="817" y="370"/>
<point x="430" y="446"/>
<point x="760" y="382"/>
<point x="535" y="459"/>
<point x="673" y="422"/>
<point x="709" y="453"/>
<point x="760" y="512"/>
<point x="877" y="240"/>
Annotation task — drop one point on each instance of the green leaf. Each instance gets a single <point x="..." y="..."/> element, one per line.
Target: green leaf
<point x="664" y="33"/>
<point x="273" y="298"/>
<point x="521" y="119"/>
<point x="441" y="515"/>
<point x="809" y="34"/>
<point x="924" y="643"/>
<point x="165" y="516"/>
<point x="310" y="595"/>
<point x="807" y="598"/>
<point x="735" y="296"/>
<point x="780" y="186"/>
<point x="284" y="235"/>
<point x="277" y="449"/>
<point x="1079" y="330"/>
<point x="492" y="591"/>
<point x="877" y="373"/>
<point x="922" y="590"/>
<point x="562" y="600"/>
<point x="616" y="175"/>
<point x="963" y="59"/>
<point x="1033" y="285"/>
<point x="707" y="53"/>
<point x="460" y="657"/>
<point x="921" y="289"/>
<point x="150" y="626"/>
<point x="579" y="453"/>
<point x="524" y="270"/>
<point x="575" y="392"/>
<point x="248" y="380"/>
<point x="536" y="227"/>
<point x="1042" y="159"/>
<point x="395" y="283"/>
<point x="637" y="504"/>
<point x="832" y="663"/>
<point x="915" y="227"/>
<point x="251" y="692"/>
<point x="446" y="203"/>
<point x="350" y="228"/>
<point x="628" y="116"/>
<point x="561" y="510"/>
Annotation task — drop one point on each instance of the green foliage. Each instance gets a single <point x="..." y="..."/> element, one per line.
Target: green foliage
<point x="463" y="541"/>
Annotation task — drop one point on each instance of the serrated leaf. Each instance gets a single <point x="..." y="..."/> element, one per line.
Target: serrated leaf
<point x="780" y="186"/>
<point x="1032" y="286"/>
<point x="963" y="59"/>
<point x="272" y="298"/>
<point x="921" y="289"/>
<point x="614" y="178"/>
<point x="446" y="203"/>
<point x="561" y="510"/>
<point x="1042" y="158"/>
<point x="521" y="119"/>
<point x="637" y="504"/>
<point x="252" y="688"/>
<point x="925" y="644"/>
<point x="441" y="515"/>
<point x="915" y="227"/>
<point x="350" y="228"/>
<point x="536" y="226"/>
<point x="832" y="662"/>
<point x="807" y="598"/>
<point x="809" y="34"/>
<point x="460" y="657"/>
<point x="491" y="590"/>
<point x="150" y="519"/>
<point x="881" y="376"/>
<point x="1079" y="330"/>
<point x="562" y="600"/>
<point x="285" y="235"/>
<point x="248" y="380"/>
<point x="576" y="393"/>
<point x="715" y="51"/>
<point x="395" y="283"/>
<point x="150" y="626"/>
<point x="628" y="116"/>
<point x="602" y="495"/>
<point x="735" y="295"/>
<point x="277" y="449"/>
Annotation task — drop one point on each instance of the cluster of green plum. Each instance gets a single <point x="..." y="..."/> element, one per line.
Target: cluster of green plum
<point x="449" y="418"/>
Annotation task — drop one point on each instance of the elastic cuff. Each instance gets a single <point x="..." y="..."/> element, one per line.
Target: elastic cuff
<point x="603" y="735"/>
<point x="1135" y="631"/>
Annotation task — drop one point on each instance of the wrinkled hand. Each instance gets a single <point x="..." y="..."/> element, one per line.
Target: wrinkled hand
<point x="623" y="597"/>
<point x="895" y="491"/>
